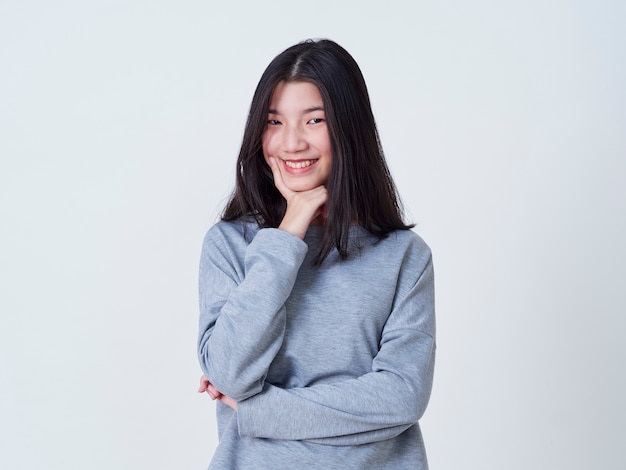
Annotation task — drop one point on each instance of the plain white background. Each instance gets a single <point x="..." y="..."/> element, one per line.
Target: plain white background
<point x="504" y="127"/>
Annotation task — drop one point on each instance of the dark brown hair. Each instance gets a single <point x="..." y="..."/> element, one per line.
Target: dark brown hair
<point x="360" y="187"/>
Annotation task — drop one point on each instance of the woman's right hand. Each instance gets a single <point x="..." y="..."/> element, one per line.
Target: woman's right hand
<point x="214" y="393"/>
<point x="302" y="207"/>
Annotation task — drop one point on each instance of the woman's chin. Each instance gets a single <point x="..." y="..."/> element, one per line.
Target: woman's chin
<point x="300" y="186"/>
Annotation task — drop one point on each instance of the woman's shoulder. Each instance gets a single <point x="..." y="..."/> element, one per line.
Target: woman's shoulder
<point x="410" y="246"/>
<point x="407" y="239"/>
<point x="398" y="248"/>
<point x="416" y="241"/>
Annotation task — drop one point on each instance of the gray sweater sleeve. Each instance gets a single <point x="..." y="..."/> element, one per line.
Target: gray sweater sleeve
<point x="376" y="406"/>
<point x="242" y="313"/>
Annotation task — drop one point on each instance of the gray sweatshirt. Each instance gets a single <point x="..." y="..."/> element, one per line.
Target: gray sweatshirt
<point x="331" y="366"/>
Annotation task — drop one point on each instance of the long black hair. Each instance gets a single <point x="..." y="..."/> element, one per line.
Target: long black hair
<point x="360" y="188"/>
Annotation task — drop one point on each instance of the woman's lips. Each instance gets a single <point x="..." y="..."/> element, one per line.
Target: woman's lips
<point x="299" y="166"/>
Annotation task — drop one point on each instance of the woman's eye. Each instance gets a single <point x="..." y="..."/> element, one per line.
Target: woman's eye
<point x="273" y="122"/>
<point x="316" y="120"/>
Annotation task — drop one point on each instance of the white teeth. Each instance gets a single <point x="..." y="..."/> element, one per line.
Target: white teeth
<point x="299" y="164"/>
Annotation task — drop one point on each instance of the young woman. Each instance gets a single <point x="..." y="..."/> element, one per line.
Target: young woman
<point x="317" y="326"/>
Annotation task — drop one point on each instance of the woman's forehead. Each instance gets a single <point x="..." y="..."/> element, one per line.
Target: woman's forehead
<point x="296" y="97"/>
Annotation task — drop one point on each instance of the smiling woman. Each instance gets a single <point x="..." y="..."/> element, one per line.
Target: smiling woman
<point x="297" y="136"/>
<point x="317" y="327"/>
<point x="297" y="146"/>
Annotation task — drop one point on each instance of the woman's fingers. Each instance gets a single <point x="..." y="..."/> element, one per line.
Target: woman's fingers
<point x="302" y="209"/>
<point x="204" y="383"/>
<point x="278" y="179"/>
<point x="213" y="392"/>
<point x="206" y="386"/>
<point x="302" y="206"/>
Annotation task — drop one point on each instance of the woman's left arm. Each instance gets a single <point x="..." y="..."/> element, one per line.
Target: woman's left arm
<point x="376" y="406"/>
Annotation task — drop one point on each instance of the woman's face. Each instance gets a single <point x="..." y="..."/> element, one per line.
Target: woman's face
<point x="297" y="135"/>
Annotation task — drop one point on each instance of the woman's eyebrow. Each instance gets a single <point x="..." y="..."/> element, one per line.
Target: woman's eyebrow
<point x="304" y="111"/>
<point x="312" y="109"/>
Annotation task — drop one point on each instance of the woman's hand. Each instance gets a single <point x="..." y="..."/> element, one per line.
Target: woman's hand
<point x="215" y="394"/>
<point x="302" y="207"/>
<point x="206" y="386"/>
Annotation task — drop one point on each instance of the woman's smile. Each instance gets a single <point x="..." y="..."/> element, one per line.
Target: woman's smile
<point x="299" y="166"/>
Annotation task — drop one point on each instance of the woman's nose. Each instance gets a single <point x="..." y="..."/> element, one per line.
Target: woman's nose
<point x="294" y="140"/>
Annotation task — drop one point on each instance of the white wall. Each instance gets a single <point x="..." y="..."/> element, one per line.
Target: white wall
<point x="504" y="125"/>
